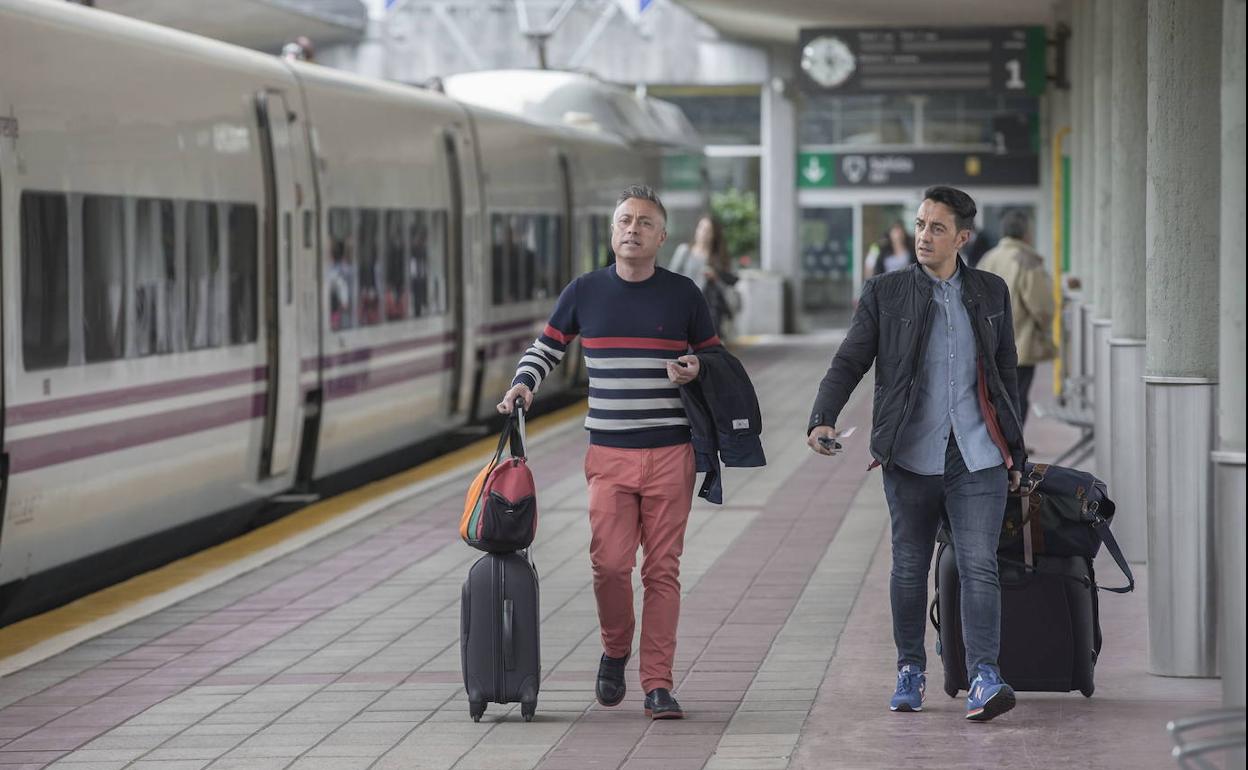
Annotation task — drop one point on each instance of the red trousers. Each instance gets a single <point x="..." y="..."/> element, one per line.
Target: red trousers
<point x="639" y="496"/>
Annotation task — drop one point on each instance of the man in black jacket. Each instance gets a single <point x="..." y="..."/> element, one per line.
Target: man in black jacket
<point x="946" y="430"/>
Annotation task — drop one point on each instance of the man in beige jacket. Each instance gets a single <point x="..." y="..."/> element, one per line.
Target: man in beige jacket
<point x="1031" y="299"/>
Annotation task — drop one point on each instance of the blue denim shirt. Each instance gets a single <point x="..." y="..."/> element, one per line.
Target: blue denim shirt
<point x="947" y="396"/>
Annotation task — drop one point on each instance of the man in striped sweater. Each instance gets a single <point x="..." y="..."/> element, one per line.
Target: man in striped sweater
<point x="638" y="325"/>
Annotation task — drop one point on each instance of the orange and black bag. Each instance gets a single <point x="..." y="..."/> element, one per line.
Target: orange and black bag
<point x="500" y="511"/>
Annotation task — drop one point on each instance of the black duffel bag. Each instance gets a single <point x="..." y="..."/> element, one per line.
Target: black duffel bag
<point x="1058" y="512"/>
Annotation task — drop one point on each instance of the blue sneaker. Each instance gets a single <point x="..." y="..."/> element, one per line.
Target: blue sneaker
<point x="990" y="696"/>
<point x="911" y="689"/>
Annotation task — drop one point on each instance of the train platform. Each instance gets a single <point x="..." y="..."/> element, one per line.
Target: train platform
<point x="330" y="639"/>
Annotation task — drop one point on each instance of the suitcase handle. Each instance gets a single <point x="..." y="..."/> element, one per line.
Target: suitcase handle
<point x="509" y="647"/>
<point x="933" y="613"/>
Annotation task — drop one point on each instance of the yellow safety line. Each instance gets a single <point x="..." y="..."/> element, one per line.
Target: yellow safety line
<point x="33" y="630"/>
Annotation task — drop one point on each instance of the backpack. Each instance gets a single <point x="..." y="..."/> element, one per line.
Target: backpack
<point x="500" y="510"/>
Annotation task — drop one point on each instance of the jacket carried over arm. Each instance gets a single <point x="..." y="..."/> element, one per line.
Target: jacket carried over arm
<point x="724" y="417"/>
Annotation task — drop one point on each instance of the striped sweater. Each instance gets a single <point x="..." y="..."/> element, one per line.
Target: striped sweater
<point x="629" y="331"/>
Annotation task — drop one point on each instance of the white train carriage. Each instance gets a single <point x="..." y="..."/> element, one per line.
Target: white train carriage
<point x="225" y="276"/>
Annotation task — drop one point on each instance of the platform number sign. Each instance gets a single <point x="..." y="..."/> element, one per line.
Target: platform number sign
<point x="883" y="59"/>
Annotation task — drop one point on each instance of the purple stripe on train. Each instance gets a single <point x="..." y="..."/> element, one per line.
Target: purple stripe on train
<point x="41" y="451"/>
<point x="93" y="402"/>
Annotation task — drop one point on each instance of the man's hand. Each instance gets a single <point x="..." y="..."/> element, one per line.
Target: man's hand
<point x="1016" y="480"/>
<point x="683" y="374"/>
<point x="826" y="432"/>
<point x="519" y="391"/>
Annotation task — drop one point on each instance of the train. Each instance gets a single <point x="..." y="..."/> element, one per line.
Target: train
<point x="228" y="275"/>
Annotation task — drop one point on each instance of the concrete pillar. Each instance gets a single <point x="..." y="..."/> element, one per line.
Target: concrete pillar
<point x="1102" y="94"/>
<point x="1127" y="295"/>
<point x="1229" y="459"/>
<point x="778" y="204"/>
<point x="1181" y="353"/>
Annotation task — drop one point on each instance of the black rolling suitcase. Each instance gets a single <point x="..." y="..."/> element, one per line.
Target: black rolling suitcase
<point x="499" y="645"/>
<point x="1050" y="624"/>
<point x="1050" y="616"/>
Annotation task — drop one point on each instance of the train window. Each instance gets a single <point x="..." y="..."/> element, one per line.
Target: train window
<point x="370" y="266"/>
<point x="103" y="277"/>
<point x="243" y="233"/>
<point x="500" y="258"/>
<point x="155" y="277"/>
<point x="437" y="262"/>
<point x="45" y="280"/>
<point x="395" y="298"/>
<point x="548" y="231"/>
<point x="340" y="272"/>
<point x="203" y="276"/>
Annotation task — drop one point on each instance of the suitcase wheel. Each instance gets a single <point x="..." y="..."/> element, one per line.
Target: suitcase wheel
<point x="1088" y="692"/>
<point x="476" y="709"/>
<point x="528" y="709"/>
<point x="951" y="691"/>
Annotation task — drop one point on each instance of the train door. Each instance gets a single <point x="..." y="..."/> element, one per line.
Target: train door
<point x="466" y="258"/>
<point x="457" y="256"/>
<point x="567" y="262"/>
<point x="282" y="193"/>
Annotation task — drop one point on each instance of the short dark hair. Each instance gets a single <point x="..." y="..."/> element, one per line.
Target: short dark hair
<point x="1014" y="224"/>
<point x="962" y="205"/>
<point x="645" y="193"/>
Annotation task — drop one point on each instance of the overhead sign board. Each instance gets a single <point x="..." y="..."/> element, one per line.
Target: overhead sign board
<point x="857" y="60"/>
<point x="893" y="169"/>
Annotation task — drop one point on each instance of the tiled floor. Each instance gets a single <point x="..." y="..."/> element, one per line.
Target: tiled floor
<point x="345" y="654"/>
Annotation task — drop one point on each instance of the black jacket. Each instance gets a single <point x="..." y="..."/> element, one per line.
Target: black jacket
<point x="890" y="327"/>
<point x="724" y="417"/>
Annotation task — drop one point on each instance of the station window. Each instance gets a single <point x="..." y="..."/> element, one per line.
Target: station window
<point x="45" y="280"/>
<point x="103" y="277"/>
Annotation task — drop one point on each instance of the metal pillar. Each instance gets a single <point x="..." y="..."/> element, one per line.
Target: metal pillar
<point x="1229" y="459"/>
<point x="1129" y="131"/>
<point x="1102" y="241"/>
<point x="778" y="207"/>
<point x="1181" y="359"/>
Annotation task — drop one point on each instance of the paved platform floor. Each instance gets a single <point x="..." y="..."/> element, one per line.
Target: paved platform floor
<point x="344" y="654"/>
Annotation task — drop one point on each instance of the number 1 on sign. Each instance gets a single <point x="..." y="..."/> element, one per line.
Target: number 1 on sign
<point x="1015" y="70"/>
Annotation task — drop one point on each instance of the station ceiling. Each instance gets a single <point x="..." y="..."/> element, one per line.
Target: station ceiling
<point x="265" y="25"/>
<point x="778" y="21"/>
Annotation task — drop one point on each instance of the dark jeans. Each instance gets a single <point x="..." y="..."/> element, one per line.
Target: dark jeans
<point x="975" y="506"/>
<point x="1025" y="376"/>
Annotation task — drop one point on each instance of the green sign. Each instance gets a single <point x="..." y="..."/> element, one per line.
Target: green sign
<point x="816" y="169"/>
<point x="682" y="172"/>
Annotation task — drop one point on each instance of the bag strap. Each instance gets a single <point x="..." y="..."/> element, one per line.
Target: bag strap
<point x="1101" y="527"/>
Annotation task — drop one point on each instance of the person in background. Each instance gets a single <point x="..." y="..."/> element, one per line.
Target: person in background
<point x="707" y="264"/>
<point x="1031" y="299"/>
<point x="895" y="251"/>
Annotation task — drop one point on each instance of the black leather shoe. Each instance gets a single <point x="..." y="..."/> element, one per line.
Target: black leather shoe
<point x="610" y="688"/>
<point x="661" y="705"/>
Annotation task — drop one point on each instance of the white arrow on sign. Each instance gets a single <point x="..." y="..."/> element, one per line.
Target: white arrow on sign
<point x="814" y="171"/>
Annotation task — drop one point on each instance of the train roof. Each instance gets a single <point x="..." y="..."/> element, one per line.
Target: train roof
<point x="575" y="99"/>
